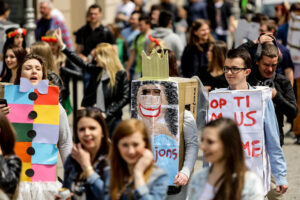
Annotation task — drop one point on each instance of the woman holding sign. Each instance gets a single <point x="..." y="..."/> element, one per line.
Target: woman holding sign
<point x="228" y="177"/>
<point x="133" y="174"/>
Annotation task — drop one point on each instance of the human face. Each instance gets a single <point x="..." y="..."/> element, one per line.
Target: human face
<point x="155" y="15"/>
<point x="144" y="27"/>
<point x="90" y="134"/>
<point x="267" y="66"/>
<point x="203" y="32"/>
<point x="212" y="146"/>
<point x="263" y="29"/>
<point x="11" y="59"/>
<point x="45" y="10"/>
<point x="32" y="70"/>
<point x="132" y="147"/>
<point x="237" y="80"/>
<point x="18" y="40"/>
<point x="134" y="20"/>
<point x="94" y="15"/>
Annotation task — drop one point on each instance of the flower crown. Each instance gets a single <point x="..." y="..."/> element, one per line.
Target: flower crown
<point x="16" y="32"/>
<point x="49" y="39"/>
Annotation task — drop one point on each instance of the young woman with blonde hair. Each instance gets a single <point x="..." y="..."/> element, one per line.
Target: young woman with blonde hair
<point x="133" y="174"/>
<point x="109" y="87"/>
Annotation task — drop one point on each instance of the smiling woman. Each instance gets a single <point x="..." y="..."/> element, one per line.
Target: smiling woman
<point x="84" y="168"/>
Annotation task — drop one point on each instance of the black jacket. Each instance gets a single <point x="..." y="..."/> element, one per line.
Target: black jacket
<point x="10" y="170"/>
<point x="284" y="101"/>
<point x="115" y="97"/>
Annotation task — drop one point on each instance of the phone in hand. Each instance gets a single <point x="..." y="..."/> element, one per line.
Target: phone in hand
<point x="3" y="101"/>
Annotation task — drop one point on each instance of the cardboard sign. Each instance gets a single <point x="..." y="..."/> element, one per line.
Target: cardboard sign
<point x="245" y="30"/>
<point x="156" y="103"/>
<point x="35" y="117"/>
<point x="293" y="39"/>
<point x="246" y="108"/>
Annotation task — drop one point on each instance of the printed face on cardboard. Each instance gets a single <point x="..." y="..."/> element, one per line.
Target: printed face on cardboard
<point x="151" y="99"/>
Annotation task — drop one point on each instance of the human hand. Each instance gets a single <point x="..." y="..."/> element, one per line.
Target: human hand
<point x="58" y="36"/>
<point x="4" y="109"/>
<point x="1" y="153"/>
<point x="144" y="162"/>
<point x="282" y="188"/>
<point x="82" y="156"/>
<point x="181" y="179"/>
<point x="266" y="38"/>
<point x="274" y="92"/>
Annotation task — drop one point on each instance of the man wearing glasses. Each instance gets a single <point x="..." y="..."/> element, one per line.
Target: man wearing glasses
<point x="237" y="68"/>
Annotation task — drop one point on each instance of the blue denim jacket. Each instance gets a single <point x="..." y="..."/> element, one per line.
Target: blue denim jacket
<point x="252" y="190"/>
<point x="272" y="139"/>
<point x="94" y="185"/>
<point x="155" y="188"/>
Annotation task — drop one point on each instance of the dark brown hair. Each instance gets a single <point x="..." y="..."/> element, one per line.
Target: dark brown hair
<point x="195" y="40"/>
<point x="232" y="180"/>
<point x="240" y="53"/>
<point x="269" y="50"/>
<point x="173" y="69"/>
<point x="218" y="53"/>
<point x="30" y="57"/>
<point x="7" y="136"/>
<point x="96" y="114"/>
<point x="118" y="167"/>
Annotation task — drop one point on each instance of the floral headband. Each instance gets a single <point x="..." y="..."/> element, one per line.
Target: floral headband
<point x="49" y="39"/>
<point x="16" y="32"/>
<point x="152" y="39"/>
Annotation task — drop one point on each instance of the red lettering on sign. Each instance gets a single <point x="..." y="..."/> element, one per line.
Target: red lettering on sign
<point x="168" y="153"/>
<point x="251" y="147"/>
<point x="254" y="149"/>
<point x="238" y="100"/>
<point x="247" y="101"/>
<point x="246" y="146"/>
<point x="251" y="118"/>
<point x="214" y="116"/>
<point x="241" y="120"/>
<point x="214" y="103"/>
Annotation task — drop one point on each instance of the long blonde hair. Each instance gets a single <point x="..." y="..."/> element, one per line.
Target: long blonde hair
<point x="107" y="57"/>
<point x="60" y="56"/>
<point x="44" y="50"/>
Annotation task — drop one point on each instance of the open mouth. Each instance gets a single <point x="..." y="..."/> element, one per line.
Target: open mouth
<point x="33" y="78"/>
<point x="149" y="112"/>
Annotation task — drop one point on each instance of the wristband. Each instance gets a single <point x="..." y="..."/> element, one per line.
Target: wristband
<point x="87" y="169"/>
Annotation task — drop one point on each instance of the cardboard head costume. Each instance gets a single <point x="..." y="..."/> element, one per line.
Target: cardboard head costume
<point x="155" y="100"/>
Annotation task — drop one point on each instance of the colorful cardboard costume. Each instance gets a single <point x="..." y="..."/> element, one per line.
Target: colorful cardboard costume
<point x="247" y="108"/>
<point x="159" y="101"/>
<point x="35" y="117"/>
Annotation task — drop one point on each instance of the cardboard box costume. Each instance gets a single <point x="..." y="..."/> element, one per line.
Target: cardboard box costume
<point x="160" y="101"/>
<point x="35" y="117"/>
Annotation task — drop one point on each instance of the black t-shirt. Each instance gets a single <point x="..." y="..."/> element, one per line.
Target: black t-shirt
<point x="43" y="26"/>
<point x="89" y="38"/>
<point x="214" y="81"/>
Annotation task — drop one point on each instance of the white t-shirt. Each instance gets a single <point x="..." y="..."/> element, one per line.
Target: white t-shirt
<point x="126" y="9"/>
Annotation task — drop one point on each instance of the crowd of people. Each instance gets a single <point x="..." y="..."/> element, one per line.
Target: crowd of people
<point x="111" y="158"/>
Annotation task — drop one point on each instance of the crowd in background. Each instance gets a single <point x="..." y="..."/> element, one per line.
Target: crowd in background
<point x="112" y="159"/>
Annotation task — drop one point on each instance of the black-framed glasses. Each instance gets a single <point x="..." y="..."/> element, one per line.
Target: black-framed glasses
<point x="233" y="70"/>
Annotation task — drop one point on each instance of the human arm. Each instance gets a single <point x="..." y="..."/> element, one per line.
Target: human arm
<point x="191" y="145"/>
<point x="130" y="62"/>
<point x="65" y="137"/>
<point x="78" y="50"/>
<point x="289" y="73"/>
<point x="285" y="98"/>
<point x="10" y="169"/>
<point x="277" y="160"/>
<point x="122" y="94"/>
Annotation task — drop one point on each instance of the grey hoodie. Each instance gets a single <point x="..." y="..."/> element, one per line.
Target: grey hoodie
<point x="171" y="39"/>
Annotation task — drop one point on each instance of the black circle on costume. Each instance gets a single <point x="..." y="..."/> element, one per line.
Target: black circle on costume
<point x="32" y="96"/>
<point x="32" y="115"/>
<point x="29" y="172"/>
<point x="30" y="151"/>
<point x="31" y="134"/>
